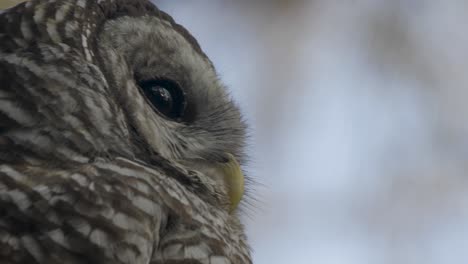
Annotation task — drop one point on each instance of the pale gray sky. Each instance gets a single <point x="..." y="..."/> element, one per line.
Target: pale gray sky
<point x="359" y="124"/>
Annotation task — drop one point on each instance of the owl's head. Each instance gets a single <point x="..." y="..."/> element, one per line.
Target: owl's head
<point x="115" y="78"/>
<point x="169" y="89"/>
<point x="174" y="103"/>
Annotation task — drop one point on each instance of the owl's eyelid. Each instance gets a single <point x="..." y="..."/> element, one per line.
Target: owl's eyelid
<point x="138" y="77"/>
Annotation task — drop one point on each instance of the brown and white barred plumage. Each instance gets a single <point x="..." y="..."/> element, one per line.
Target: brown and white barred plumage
<point x="89" y="173"/>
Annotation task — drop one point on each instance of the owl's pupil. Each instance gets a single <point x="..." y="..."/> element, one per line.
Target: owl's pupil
<point x="166" y="97"/>
<point x="161" y="97"/>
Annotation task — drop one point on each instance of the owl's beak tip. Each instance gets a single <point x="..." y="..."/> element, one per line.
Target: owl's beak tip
<point x="227" y="172"/>
<point x="234" y="179"/>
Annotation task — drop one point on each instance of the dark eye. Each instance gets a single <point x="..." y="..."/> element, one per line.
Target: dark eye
<point x="166" y="96"/>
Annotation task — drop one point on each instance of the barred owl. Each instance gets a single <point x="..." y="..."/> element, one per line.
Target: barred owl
<point x="118" y="142"/>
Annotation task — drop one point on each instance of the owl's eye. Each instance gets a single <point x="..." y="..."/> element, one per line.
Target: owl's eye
<point x="166" y="96"/>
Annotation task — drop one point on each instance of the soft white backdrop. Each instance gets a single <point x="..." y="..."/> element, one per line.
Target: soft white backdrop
<point x="359" y="124"/>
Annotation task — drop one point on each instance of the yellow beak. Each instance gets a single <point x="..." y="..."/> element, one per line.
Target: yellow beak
<point x="234" y="179"/>
<point x="4" y="4"/>
<point x="226" y="174"/>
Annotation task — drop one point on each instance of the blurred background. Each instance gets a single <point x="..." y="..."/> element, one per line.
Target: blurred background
<point x="359" y="124"/>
